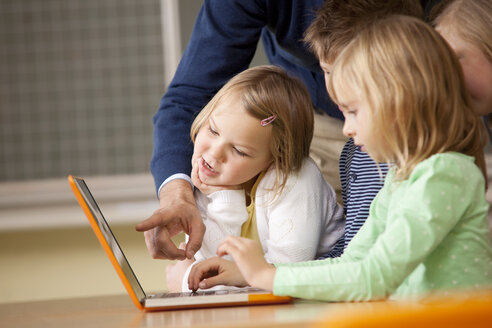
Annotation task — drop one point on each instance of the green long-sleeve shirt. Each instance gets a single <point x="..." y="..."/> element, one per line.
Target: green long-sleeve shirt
<point x="428" y="232"/>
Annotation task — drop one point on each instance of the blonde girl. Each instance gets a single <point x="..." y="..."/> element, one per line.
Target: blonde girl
<point x="402" y="94"/>
<point x="253" y="176"/>
<point x="467" y="27"/>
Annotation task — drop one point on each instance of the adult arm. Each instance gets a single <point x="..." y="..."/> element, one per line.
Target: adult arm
<point x="222" y="44"/>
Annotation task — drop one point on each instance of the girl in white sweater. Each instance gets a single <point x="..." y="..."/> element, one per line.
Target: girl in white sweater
<point x="253" y="175"/>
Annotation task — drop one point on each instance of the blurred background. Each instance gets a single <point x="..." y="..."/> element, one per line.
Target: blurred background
<point x="80" y="82"/>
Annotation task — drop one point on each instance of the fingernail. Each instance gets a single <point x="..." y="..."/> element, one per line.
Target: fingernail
<point x="202" y="285"/>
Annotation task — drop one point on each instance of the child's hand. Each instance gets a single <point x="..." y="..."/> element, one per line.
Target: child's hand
<point x="249" y="259"/>
<point x="175" y="273"/>
<point x="205" y="188"/>
<point x="215" y="271"/>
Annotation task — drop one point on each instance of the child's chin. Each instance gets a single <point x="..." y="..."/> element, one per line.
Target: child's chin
<point x="208" y="180"/>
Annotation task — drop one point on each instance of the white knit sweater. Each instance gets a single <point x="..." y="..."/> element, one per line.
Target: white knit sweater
<point x="303" y="222"/>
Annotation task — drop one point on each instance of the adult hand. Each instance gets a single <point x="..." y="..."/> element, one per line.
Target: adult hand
<point x="177" y="212"/>
<point x="249" y="258"/>
<point x="215" y="271"/>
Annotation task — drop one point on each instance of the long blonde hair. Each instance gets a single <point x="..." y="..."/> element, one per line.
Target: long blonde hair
<point x="471" y="20"/>
<point x="266" y="91"/>
<point x="415" y="91"/>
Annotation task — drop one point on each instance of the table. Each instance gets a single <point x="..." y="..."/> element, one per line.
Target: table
<point x="118" y="311"/>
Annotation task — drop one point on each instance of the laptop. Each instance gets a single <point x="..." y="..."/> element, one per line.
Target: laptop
<point x="161" y="301"/>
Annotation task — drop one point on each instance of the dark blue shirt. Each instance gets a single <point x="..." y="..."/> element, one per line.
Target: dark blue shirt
<point x="222" y="44"/>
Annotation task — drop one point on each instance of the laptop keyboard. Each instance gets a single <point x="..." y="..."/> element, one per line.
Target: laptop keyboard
<point x="204" y="293"/>
<point x="186" y="294"/>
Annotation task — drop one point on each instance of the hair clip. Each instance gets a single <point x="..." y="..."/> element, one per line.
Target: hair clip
<point x="268" y="120"/>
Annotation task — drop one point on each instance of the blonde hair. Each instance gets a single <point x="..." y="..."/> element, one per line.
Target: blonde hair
<point x="471" y="20"/>
<point x="414" y="88"/>
<point x="338" y="22"/>
<point x="266" y="91"/>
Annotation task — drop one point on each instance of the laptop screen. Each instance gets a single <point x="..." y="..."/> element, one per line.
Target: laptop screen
<point x="110" y="239"/>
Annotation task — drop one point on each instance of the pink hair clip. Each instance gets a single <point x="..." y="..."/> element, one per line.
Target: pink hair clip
<point x="268" y="120"/>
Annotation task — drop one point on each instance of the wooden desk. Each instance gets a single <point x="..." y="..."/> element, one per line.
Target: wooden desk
<point x="118" y="311"/>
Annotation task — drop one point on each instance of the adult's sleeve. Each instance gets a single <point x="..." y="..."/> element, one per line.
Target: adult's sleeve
<point x="418" y="219"/>
<point x="222" y="44"/>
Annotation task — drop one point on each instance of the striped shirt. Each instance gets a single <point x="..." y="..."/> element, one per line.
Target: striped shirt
<point x="361" y="179"/>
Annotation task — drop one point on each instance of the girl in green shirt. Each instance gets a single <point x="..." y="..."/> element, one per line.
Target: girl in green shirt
<point x="402" y="93"/>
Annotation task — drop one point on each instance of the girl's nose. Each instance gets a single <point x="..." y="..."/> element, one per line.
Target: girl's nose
<point x="218" y="152"/>
<point x="348" y="131"/>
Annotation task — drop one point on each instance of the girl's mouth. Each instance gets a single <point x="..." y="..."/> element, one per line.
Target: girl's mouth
<point x="206" y="168"/>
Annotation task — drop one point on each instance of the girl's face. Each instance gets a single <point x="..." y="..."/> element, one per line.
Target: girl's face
<point x="357" y="123"/>
<point x="356" y="113"/>
<point x="232" y="147"/>
<point x="477" y="70"/>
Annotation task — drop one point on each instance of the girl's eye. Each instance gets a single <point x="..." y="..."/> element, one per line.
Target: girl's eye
<point x="212" y="131"/>
<point x="240" y="153"/>
<point x="351" y="111"/>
